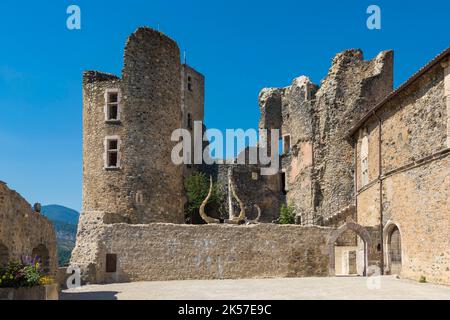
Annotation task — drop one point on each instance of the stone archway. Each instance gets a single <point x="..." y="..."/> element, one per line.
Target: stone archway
<point x="393" y="248"/>
<point x="4" y="255"/>
<point x="361" y="232"/>
<point x="42" y="254"/>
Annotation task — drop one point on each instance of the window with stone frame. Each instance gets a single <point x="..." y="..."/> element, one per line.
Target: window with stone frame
<point x="283" y="182"/>
<point x="189" y="121"/>
<point x="112" y="156"/>
<point x="364" y="159"/>
<point x="287" y="144"/>
<point x="112" y="108"/>
<point x="189" y="83"/>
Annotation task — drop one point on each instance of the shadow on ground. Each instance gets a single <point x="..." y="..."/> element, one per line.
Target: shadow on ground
<point x="100" y="295"/>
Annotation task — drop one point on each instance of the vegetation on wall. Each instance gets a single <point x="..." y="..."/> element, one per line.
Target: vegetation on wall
<point x="197" y="188"/>
<point x="287" y="214"/>
<point x="26" y="273"/>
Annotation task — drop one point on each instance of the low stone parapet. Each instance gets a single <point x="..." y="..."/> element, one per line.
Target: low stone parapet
<point x="157" y="252"/>
<point x="49" y="292"/>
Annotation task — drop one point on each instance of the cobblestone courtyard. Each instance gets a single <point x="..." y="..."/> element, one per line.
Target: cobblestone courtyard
<point x="278" y="289"/>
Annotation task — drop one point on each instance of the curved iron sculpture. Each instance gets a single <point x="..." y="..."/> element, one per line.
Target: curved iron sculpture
<point x="235" y="220"/>
<point x="204" y="216"/>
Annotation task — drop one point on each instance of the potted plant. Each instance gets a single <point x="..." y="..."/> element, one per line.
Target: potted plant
<point x="26" y="280"/>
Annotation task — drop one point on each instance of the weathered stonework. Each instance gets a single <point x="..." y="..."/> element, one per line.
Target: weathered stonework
<point x="408" y="190"/>
<point x="394" y="213"/>
<point x="174" y="252"/>
<point x="148" y="186"/>
<point x="24" y="232"/>
<point x="319" y="178"/>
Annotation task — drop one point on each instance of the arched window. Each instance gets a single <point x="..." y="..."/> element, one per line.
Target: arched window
<point x="394" y="250"/>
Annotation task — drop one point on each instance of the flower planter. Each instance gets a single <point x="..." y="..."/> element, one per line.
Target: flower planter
<point x="48" y="292"/>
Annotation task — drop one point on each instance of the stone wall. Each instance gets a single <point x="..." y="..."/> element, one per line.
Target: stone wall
<point x="147" y="187"/>
<point x="22" y="229"/>
<point x="180" y="252"/>
<point x="417" y="202"/>
<point x="318" y="167"/>
<point x="412" y="177"/>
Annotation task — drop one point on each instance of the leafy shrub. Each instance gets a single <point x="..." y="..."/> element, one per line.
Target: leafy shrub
<point x="423" y="279"/>
<point x="287" y="214"/>
<point x="197" y="188"/>
<point x="27" y="273"/>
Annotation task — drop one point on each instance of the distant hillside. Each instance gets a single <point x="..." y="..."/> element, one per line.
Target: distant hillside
<point x="65" y="221"/>
<point x="60" y="213"/>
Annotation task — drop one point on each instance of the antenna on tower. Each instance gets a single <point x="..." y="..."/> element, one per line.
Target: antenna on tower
<point x="184" y="57"/>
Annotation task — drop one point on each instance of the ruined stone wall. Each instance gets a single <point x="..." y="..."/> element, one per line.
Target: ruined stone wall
<point x="414" y="177"/>
<point x="319" y="167"/>
<point x="256" y="189"/>
<point x="22" y="229"/>
<point x="299" y="123"/>
<point x="179" y="252"/>
<point x="148" y="186"/>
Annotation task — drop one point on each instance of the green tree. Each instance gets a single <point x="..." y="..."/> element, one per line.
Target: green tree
<point x="197" y="188"/>
<point x="287" y="214"/>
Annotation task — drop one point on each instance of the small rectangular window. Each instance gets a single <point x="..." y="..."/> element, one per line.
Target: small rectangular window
<point x="189" y="83"/>
<point x="112" y="153"/>
<point x="286" y="144"/>
<point x="283" y="183"/>
<point x="112" y="105"/>
<point x="189" y="121"/>
<point x="111" y="263"/>
<point x="364" y="161"/>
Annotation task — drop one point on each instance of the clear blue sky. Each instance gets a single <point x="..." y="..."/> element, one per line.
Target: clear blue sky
<point x="240" y="46"/>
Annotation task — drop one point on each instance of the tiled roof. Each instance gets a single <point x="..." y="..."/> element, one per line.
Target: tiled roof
<point x="414" y="77"/>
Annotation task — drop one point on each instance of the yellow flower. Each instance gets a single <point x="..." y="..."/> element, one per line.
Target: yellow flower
<point x="46" y="280"/>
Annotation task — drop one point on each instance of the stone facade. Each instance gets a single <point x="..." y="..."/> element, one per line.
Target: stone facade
<point x="407" y="183"/>
<point x="382" y="195"/>
<point x="314" y="121"/>
<point x="24" y="232"/>
<point x="154" y="100"/>
<point x="179" y="252"/>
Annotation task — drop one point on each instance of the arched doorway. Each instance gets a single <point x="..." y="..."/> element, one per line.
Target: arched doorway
<point x="42" y="254"/>
<point x="349" y="245"/>
<point x="4" y="255"/>
<point x="393" y="244"/>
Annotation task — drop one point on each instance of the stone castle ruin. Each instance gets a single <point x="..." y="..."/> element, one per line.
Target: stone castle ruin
<point x="337" y="139"/>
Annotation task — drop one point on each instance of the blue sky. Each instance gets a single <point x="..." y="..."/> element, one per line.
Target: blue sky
<point x="240" y="46"/>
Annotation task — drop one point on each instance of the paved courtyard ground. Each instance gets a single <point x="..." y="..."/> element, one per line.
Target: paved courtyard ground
<point x="277" y="289"/>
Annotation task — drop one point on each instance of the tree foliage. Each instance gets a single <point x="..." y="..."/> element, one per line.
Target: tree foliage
<point x="197" y="188"/>
<point x="287" y="214"/>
